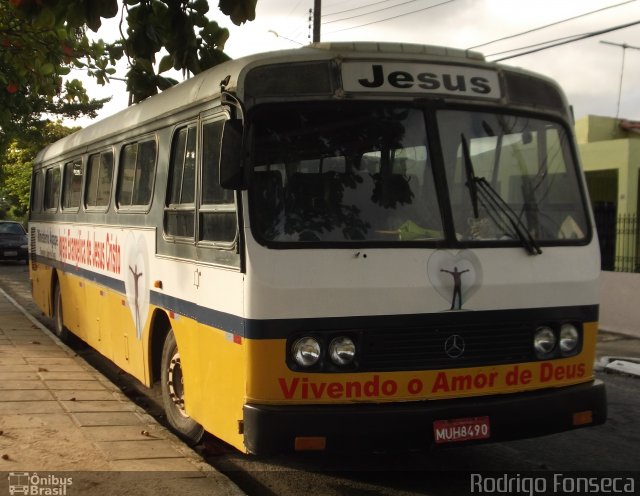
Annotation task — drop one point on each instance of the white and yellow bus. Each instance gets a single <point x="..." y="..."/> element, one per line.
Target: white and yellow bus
<point x="341" y="245"/>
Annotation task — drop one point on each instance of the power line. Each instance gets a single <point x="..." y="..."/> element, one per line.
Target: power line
<point x="356" y="8"/>
<point x="566" y="41"/>
<point x="278" y="35"/>
<point x="624" y="47"/>
<point x="550" y="25"/>
<point x="394" y="17"/>
<point x="372" y="12"/>
<point x="295" y="7"/>
<point x="541" y="44"/>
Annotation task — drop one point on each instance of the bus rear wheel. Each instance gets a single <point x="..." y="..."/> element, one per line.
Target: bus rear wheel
<point x="59" y="329"/>
<point x="173" y="393"/>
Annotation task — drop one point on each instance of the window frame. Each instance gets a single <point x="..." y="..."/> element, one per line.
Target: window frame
<point x="45" y="199"/>
<point x="213" y="208"/>
<point x="99" y="154"/>
<point x="66" y="168"/>
<point x="198" y="208"/>
<point x="135" y="208"/>
<point x="175" y="208"/>
<point x="36" y="200"/>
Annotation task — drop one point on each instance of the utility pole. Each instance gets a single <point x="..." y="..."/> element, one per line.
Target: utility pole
<point x="624" y="51"/>
<point x="317" y="8"/>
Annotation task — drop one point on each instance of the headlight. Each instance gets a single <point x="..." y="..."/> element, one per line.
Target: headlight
<point x="544" y="341"/>
<point x="568" y="338"/>
<point x="342" y="350"/>
<point x="306" y="351"/>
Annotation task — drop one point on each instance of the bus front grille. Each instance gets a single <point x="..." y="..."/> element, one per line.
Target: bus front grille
<point x="445" y="347"/>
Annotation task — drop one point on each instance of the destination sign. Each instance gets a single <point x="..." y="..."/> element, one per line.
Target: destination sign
<point x="413" y="77"/>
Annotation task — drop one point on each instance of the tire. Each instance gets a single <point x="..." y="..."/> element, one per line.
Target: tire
<point x="58" y="328"/>
<point x="173" y="393"/>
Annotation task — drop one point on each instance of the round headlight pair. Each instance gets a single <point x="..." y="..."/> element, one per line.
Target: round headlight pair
<point x="307" y="351"/>
<point x="544" y="340"/>
<point x="569" y="338"/>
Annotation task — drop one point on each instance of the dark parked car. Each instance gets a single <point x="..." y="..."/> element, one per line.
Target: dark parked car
<point x="13" y="241"/>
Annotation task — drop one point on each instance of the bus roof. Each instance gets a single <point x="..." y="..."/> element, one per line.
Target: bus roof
<point x="206" y="86"/>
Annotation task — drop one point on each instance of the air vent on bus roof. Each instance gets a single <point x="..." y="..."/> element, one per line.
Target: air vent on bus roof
<point x="294" y="79"/>
<point x="408" y="48"/>
<point x="528" y="90"/>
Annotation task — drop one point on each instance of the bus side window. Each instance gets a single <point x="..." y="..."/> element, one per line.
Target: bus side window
<point x="137" y="171"/>
<point x="52" y="188"/>
<point x="37" y="192"/>
<point x="72" y="184"/>
<point x="179" y="215"/>
<point x="218" y="221"/>
<point x="99" y="179"/>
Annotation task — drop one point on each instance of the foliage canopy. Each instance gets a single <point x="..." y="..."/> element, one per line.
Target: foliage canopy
<point x="43" y="41"/>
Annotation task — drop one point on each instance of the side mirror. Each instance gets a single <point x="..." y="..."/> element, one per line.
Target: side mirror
<point x="230" y="167"/>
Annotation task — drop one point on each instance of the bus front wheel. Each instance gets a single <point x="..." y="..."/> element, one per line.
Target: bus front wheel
<point x="173" y="393"/>
<point x="60" y="330"/>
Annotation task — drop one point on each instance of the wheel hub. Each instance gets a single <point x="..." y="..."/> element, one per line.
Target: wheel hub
<point x="176" y="384"/>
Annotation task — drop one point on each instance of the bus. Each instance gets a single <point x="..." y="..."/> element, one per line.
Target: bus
<point x="340" y="246"/>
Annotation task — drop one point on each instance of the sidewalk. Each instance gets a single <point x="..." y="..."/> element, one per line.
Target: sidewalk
<point x="57" y="414"/>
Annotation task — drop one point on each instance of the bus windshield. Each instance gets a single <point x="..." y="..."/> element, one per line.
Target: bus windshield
<point x="510" y="177"/>
<point x="345" y="172"/>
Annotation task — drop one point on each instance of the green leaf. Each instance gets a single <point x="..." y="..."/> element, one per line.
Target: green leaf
<point x="108" y="8"/>
<point x="145" y="65"/>
<point x="201" y="6"/>
<point x="46" y="69"/>
<point x="46" y="19"/>
<point x="165" y="64"/>
<point x="239" y="10"/>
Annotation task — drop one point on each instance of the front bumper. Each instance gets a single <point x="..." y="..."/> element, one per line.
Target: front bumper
<point x="13" y="253"/>
<point x="274" y="428"/>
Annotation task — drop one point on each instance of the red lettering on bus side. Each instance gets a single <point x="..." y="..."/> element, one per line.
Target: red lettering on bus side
<point x="288" y="391"/>
<point x="372" y="387"/>
<point x="335" y="390"/>
<point x="354" y="389"/>
<point x="389" y="388"/>
<point x="515" y="377"/>
<point x="318" y="389"/>
<point x="441" y="385"/>
<point x="550" y="372"/>
<point x="415" y="386"/>
<point x="461" y="382"/>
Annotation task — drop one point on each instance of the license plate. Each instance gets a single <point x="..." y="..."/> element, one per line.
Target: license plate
<point x="462" y="429"/>
<point x="8" y="253"/>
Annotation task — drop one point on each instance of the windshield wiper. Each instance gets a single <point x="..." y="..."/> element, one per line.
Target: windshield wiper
<point x="471" y="177"/>
<point x="494" y="204"/>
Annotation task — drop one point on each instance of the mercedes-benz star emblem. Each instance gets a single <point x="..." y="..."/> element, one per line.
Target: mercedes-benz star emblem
<point x="454" y="346"/>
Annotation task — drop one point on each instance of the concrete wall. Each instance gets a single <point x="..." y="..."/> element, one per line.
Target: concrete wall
<point x="620" y="302"/>
<point x="604" y="145"/>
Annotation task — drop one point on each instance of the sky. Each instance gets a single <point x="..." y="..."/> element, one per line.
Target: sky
<point x="588" y="70"/>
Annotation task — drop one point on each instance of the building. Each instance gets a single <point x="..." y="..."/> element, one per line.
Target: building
<point x="610" y="153"/>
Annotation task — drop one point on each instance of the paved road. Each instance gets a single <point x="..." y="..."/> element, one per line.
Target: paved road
<point x="610" y="447"/>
